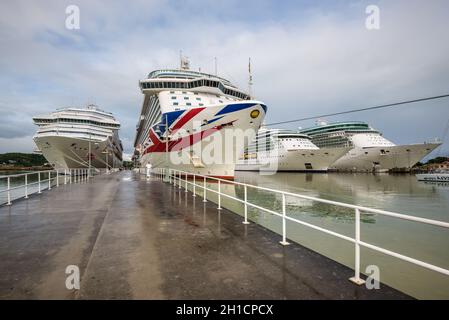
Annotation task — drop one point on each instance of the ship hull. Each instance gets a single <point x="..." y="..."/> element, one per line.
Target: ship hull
<point x="293" y="160"/>
<point x="384" y="158"/>
<point x="207" y="149"/>
<point x="69" y="152"/>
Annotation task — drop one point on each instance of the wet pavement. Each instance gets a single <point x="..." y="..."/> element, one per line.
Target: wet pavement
<point x="138" y="238"/>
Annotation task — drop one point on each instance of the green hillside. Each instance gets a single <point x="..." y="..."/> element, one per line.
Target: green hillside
<point x="22" y="159"/>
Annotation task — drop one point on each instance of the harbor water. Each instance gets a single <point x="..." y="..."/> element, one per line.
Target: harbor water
<point x="398" y="193"/>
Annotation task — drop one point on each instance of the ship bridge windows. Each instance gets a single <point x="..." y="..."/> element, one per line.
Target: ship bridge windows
<point x="194" y="84"/>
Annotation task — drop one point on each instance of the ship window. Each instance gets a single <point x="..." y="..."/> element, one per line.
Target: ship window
<point x="201" y="104"/>
<point x="198" y="99"/>
<point x="188" y="103"/>
<point x="173" y="97"/>
<point x="184" y="92"/>
<point x="175" y="103"/>
<point x="172" y="92"/>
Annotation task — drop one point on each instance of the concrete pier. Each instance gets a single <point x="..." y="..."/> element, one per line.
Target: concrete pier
<point x="134" y="238"/>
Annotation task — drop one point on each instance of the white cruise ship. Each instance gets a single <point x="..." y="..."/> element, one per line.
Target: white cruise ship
<point x="370" y="151"/>
<point x="79" y="138"/>
<point x="286" y="150"/>
<point x="188" y="120"/>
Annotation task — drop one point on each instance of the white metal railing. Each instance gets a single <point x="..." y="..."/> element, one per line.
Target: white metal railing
<point x="44" y="180"/>
<point x="181" y="180"/>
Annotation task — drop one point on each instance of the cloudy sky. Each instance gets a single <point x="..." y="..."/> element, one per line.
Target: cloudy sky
<point x="308" y="58"/>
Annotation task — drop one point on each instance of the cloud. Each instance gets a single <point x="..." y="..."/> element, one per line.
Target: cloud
<point x="308" y="58"/>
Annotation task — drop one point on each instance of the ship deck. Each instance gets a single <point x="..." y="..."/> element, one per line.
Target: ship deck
<point x="134" y="238"/>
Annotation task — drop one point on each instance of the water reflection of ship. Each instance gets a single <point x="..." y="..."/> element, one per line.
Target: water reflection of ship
<point x="343" y="186"/>
<point x="295" y="206"/>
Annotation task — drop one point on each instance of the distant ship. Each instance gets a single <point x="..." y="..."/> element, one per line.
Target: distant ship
<point x="370" y="151"/>
<point x="286" y="150"/>
<point x="184" y="116"/>
<point x="79" y="137"/>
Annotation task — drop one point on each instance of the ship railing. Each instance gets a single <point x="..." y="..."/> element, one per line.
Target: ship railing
<point x="183" y="179"/>
<point x="38" y="181"/>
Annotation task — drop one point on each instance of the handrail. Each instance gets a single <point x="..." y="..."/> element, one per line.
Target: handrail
<point x="69" y="176"/>
<point x="180" y="178"/>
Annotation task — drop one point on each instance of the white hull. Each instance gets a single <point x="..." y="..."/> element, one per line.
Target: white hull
<point x="433" y="177"/>
<point x="68" y="152"/>
<point x="196" y="157"/>
<point x="292" y="160"/>
<point x="392" y="157"/>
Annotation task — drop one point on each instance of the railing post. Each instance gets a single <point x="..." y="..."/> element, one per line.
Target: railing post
<point x="356" y="279"/>
<point x="57" y="178"/>
<point x="284" y="229"/>
<point x="65" y="176"/>
<point x="49" y="180"/>
<point x="26" y="186"/>
<point x="180" y="180"/>
<point x="204" y="188"/>
<point x="9" y="192"/>
<point x="219" y="195"/>
<point x="245" y="194"/>
<point x="71" y="174"/>
<point x="194" y="185"/>
<point x="39" y="182"/>
<point x="186" y="183"/>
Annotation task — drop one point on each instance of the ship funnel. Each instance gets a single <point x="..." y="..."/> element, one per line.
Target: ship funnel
<point x="185" y="63"/>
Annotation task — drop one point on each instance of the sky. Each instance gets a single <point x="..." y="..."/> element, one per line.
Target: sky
<point x="308" y="58"/>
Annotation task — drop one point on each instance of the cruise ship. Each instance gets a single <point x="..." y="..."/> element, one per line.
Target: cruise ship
<point x="195" y="122"/>
<point x="286" y="150"/>
<point x="370" y="151"/>
<point x="79" y="138"/>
